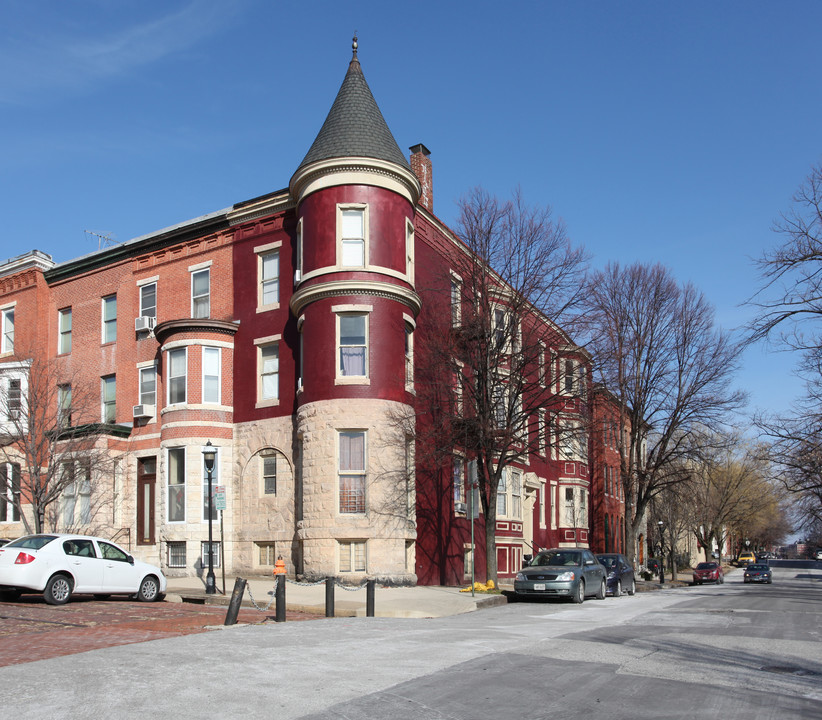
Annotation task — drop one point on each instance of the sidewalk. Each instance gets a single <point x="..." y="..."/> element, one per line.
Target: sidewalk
<point x="420" y="601"/>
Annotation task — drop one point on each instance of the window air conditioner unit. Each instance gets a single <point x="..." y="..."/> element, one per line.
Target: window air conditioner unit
<point x="144" y="322"/>
<point x="459" y="507"/>
<point x="143" y="411"/>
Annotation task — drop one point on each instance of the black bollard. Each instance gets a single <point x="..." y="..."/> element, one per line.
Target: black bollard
<point x="370" y="588"/>
<point x="279" y="595"/>
<point x="236" y="602"/>
<point x="329" y="597"/>
<point x="661" y="574"/>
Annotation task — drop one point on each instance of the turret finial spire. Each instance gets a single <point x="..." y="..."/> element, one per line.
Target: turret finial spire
<point x="354" y="45"/>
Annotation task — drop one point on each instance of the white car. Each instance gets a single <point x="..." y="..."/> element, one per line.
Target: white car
<point x="60" y="566"/>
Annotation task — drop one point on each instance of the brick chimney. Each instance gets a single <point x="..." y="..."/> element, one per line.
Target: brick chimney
<point x="421" y="165"/>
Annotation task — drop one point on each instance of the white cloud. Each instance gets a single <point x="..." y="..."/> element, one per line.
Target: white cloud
<point x="62" y="54"/>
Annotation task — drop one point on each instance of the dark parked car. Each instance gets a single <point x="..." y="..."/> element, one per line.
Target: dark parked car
<point x="562" y="572"/>
<point x="708" y="572"/>
<point x="620" y="574"/>
<point x="757" y="572"/>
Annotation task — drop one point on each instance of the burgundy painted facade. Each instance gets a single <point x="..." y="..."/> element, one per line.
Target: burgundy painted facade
<point x="403" y="294"/>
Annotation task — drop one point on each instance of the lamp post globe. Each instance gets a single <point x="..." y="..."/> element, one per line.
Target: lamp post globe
<point x="209" y="455"/>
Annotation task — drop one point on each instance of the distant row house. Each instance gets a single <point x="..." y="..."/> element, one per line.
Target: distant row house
<point x="290" y="331"/>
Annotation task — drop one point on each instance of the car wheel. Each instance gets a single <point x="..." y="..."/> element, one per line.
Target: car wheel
<point x="632" y="588"/>
<point x="618" y="589"/>
<point x="579" y="595"/>
<point x="602" y="589"/>
<point x="57" y="590"/>
<point x="149" y="589"/>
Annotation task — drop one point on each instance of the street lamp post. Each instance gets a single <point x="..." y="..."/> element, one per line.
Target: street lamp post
<point x="209" y="454"/>
<point x="660" y="524"/>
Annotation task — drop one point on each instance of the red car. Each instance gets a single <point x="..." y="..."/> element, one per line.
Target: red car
<point x="708" y="572"/>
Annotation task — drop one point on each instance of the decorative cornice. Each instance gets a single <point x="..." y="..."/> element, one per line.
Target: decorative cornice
<point x="346" y="171"/>
<point x="346" y="288"/>
<point x="170" y="327"/>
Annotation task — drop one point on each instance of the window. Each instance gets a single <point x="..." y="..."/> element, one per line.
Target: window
<point x="200" y="293"/>
<point x="499" y="400"/>
<point x="215" y="479"/>
<point x="269" y="364"/>
<point x="409" y="250"/>
<point x="216" y="554"/>
<point x="352" y="237"/>
<point x="148" y="386"/>
<point x="176" y="485"/>
<point x="68" y="498"/>
<point x="9" y="492"/>
<point x="500" y="329"/>
<point x="409" y="355"/>
<point x="502" y="495"/>
<point x="109" y="318"/>
<point x="108" y="391"/>
<point x="83" y="484"/>
<point x="211" y="375"/>
<point x="269" y="474"/>
<point x="177" y="376"/>
<point x="352" y="556"/>
<point x="268" y="553"/>
<point x="14" y="399"/>
<point x="458" y="473"/>
<point x="352" y="472"/>
<point x="541" y="365"/>
<point x="269" y="268"/>
<point x="541" y="431"/>
<point x="569" y="507"/>
<point x="64" y="405"/>
<point x="64" y="325"/>
<point x="148" y="304"/>
<point x="456" y="301"/>
<point x="573" y="441"/>
<point x="353" y="345"/>
<point x="299" y="251"/>
<point x="7" y="345"/>
<point x="516" y="493"/>
<point x="176" y="554"/>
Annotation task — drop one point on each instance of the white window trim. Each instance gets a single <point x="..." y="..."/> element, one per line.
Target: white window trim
<point x="408" y="360"/>
<point x="4" y="312"/>
<point x="103" y="397"/>
<point x="63" y="312"/>
<point x="168" y="377"/>
<point x="185" y="484"/>
<point x="142" y="284"/>
<point x="410" y="260"/>
<point x="260" y="343"/>
<point x="456" y="317"/>
<point x="192" y="272"/>
<point x="103" y="339"/>
<point x="299" y="249"/>
<point x="338" y="311"/>
<point x="339" y="471"/>
<point x="219" y="399"/>
<point x="365" y="224"/>
<point x="146" y="366"/>
<point x="351" y="543"/>
<point x="261" y="251"/>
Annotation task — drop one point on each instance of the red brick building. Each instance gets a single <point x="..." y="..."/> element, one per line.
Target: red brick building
<point x="288" y="330"/>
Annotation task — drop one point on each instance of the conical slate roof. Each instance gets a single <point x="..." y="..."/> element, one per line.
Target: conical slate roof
<point x="355" y="126"/>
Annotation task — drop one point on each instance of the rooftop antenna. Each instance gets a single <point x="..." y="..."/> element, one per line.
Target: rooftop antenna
<point x="103" y="239"/>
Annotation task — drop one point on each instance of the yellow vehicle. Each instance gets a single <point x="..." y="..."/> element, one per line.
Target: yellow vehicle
<point x="745" y="558"/>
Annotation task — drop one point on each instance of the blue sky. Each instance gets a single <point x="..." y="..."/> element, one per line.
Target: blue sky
<point x="659" y="131"/>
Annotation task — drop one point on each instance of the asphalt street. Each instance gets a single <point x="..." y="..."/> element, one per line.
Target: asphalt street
<point x="728" y="651"/>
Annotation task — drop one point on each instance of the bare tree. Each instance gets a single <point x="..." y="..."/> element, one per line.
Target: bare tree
<point x="51" y="438"/>
<point x="659" y="354"/>
<point x="790" y="308"/>
<point x="514" y="277"/>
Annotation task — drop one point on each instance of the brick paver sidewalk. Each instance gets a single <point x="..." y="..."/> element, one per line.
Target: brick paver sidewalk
<point x="31" y="630"/>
